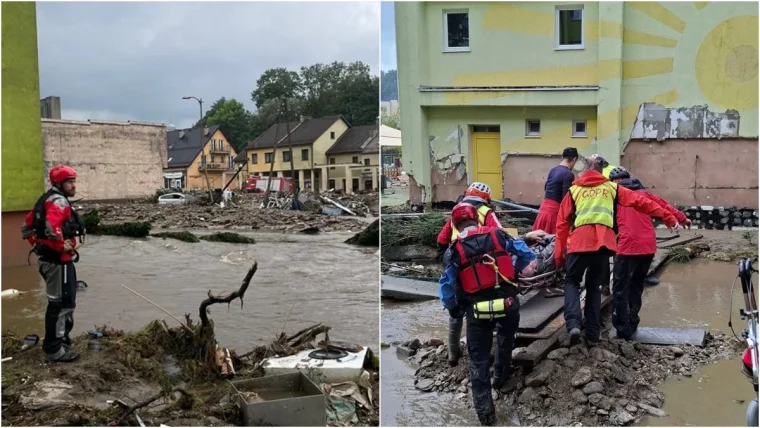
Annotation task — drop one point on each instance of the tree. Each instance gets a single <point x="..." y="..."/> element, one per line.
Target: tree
<point x="389" y="88"/>
<point x="276" y="83"/>
<point x="391" y="119"/>
<point x="233" y="119"/>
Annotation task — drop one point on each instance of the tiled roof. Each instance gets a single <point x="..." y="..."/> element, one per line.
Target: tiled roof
<point x="183" y="145"/>
<point x="356" y="140"/>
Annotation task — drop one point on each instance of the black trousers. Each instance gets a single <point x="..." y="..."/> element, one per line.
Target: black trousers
<point x="479" y="343"/>
<point x="61" y="285"/>
<point x="576" y="265"/>
<point x="628" y="286"/>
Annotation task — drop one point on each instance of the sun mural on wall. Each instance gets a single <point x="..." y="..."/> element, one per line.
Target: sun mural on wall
<point x="676" y="54"/>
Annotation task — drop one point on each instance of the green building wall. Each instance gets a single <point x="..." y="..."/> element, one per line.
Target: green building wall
<point x="22" y="168"/>
<point x="678" y="55"/>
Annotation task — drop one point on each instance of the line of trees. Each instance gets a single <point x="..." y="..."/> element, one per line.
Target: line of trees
<point x="389" y="85"/>
<point x="318" y="90"/>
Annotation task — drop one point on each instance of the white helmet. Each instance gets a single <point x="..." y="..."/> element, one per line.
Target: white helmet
<point x="479" y="189"/>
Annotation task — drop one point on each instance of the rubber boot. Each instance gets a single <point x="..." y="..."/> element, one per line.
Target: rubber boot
<point x="455" y="338"/>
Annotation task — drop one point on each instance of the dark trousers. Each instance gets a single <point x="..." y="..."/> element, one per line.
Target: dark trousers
<point x="61" y="287"/>
<point x="628" y="286"/>
<point x="576" y="265"/>
<point x="479" y="342"/>
<point x="455" y="338"/>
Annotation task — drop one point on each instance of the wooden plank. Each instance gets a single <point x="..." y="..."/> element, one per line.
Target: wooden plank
<point x="407" y="289"/>
<point x="660" y="259"/>
<point x="685" y="239"/>
<point x="666" y="236"/>
<point x="537" y="311"/>
<point x="669" y="336"/>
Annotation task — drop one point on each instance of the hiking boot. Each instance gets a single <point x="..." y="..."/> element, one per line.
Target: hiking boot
<point x="590" y="343"/>
<point x="488" y="420"/>
<point x="575" y="336"/>
<point x="62" y="356"/>
<point x="651" y="280"/>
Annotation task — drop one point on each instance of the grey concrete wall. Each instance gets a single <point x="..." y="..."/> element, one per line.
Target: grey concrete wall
<point x="114" y="160"/>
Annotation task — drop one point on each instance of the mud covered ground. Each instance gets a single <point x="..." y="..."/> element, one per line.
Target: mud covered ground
<point x="153" y="363"/>
<point x="246" y="216"/>
<point x="613" y="384"/>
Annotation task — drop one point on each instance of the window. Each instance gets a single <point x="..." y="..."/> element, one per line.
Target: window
<point x="229" y="162"/>
<point x="305" y="154"/>
<point x="331" y="184"/>
<point x="366" y="162"/>
<point x="532" y="128"/>
<point x="569" y="27"/>
<point x="456" y="31"/>
<point x="213" y="160"/>
<point x="579" y="128"/>
<point x="203" y="161"/>
<point x="255" y="158"/>
<point x="355" y="159"/>
<point x="332" y="162"/>
<point x="268" y="157"/>
<point x="485" y="129"/>
<point x="286" y="156"/>
<point x="332" y="135"/>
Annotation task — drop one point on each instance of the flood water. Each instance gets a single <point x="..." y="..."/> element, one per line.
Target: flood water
<point x="696" y="294"/>
<point x="301" y="280"/>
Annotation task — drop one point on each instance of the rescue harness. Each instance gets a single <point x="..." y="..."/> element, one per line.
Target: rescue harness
<point x="72" y="229"/>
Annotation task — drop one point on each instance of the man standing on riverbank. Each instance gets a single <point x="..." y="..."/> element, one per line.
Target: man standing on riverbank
<point x="558" y="182"/>
<point x="479" y="282"/>
<point x="52" y="227"/>
<point x="587" y="222"/>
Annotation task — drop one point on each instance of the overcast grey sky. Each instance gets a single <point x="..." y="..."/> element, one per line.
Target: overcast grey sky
<point x="135" y="61"/>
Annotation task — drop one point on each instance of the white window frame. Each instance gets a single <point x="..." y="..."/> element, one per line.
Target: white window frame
<point x="557" y="46"/>
<point x="446" y="47"/>
<point x="578" y="134"/>
<point x="528" y="133"/>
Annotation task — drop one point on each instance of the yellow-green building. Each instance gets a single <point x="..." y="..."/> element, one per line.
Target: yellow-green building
<point x="23" y="169"/>
<point x="484" y="87"/>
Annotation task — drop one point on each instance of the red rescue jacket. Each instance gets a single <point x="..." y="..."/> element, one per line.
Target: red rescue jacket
<point x="50" y="232"/>
<point x="474" y="248"/>
<point x="592" y="237"/>
<point x="636" y="233"/>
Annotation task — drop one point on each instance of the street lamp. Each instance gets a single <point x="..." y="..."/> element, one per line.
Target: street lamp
<point x="200" y="134"/>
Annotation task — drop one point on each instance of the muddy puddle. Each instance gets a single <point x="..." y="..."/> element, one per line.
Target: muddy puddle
<point x="696" y="294"/>
<point x="301" y="280"/>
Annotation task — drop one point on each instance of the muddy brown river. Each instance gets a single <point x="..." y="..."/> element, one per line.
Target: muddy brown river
<point x="301" y="280"/>
<point x="696" y="294"/>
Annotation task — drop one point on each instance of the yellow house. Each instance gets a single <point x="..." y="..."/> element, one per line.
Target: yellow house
<point x="192" y="158"/>
<point x="310" y="138"/>
<point x="356" y="158"/>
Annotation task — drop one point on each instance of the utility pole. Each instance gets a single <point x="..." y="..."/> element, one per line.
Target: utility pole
<point x="200" y="134"/>
<point x="274" y="154"/>
<point x="290" y="147"/>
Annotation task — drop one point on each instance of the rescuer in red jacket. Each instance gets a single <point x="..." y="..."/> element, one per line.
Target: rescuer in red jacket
<point x="479" y="196"/>
<point x="52" y="228"/>
<point x="587" y="215"/>
<point x="637" y="244"/>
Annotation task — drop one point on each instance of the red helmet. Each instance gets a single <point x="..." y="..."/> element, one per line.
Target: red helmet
<point x="463" y="212"/>
<point x="61" y="173"/>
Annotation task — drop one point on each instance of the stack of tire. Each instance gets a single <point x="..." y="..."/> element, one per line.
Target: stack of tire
<point x="720" y="218"/>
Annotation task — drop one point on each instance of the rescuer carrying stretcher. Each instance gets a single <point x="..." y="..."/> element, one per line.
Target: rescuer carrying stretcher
<point x="479" y="282"/>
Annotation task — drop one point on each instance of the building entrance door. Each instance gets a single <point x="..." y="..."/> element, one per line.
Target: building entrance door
<point x="486" y="154"/>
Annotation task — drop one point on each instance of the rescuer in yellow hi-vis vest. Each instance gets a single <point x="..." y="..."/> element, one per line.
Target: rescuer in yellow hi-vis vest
<point x="586" y="223"/>
<point x="605" y="276"/>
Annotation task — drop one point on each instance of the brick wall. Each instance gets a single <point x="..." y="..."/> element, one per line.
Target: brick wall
<point x="114" y="160"/>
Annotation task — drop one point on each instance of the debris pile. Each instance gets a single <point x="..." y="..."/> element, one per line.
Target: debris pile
<point x="610" y="384"/>
<point x="158" y="375"/>
<point x="244" y="216"/>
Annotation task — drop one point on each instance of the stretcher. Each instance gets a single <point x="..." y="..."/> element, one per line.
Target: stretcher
<point x="551" y="279"/>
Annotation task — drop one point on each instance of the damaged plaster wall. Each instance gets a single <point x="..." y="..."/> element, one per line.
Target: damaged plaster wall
<point x="448" y="160"/>
<point x="656" y="122"/>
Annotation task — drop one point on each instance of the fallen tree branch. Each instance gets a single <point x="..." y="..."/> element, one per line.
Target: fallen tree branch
<point x="140" y="405"/>
<point x="237" y="294"/>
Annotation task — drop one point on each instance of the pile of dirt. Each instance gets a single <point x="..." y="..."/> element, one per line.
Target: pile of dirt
<point x="244" y="216"/>
<point x="612" y="384"/>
